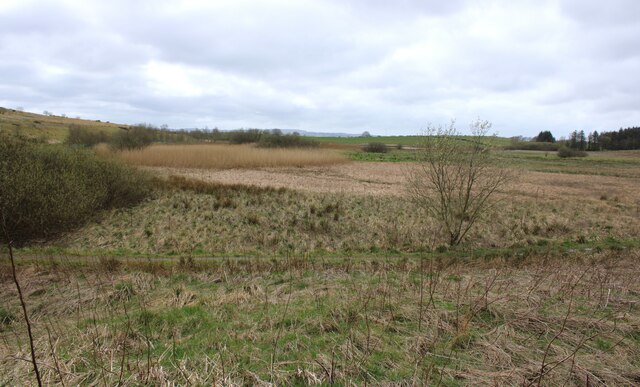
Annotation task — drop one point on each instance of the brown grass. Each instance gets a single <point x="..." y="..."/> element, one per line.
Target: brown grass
<point x="545" y="320"/>
<point x="389" y="179"/>
<point x="224" y="156"/>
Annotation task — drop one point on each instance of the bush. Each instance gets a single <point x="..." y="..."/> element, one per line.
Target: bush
<point x="286" y="141"/>
<point x="245" y="136"/>
<point x="565" y="152"/>
<point x="375" y="147"/>
<point x="48" y="189"/>
<point x="135" y="137"/>
<point x="79" y="135"/>
<point x="456" y="180"/>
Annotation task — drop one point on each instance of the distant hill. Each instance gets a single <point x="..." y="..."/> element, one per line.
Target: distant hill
<point x="317" y="134"/>
<point x="50" y="128"/>
<point x="301" y="132"/>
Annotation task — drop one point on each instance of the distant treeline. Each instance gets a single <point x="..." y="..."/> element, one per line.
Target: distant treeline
<point x="141" y="135"/>
<point x="623" y="139"/>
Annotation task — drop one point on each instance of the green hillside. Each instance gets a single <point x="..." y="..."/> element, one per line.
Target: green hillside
<point x="50" y="128"/>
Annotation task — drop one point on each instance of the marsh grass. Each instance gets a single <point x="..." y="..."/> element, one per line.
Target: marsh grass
<point x="201" y="218"/>
<point x="547" y="320"/>
<point x="225" y="156"/>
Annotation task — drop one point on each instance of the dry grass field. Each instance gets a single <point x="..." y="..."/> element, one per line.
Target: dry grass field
<point x="224" y="156"/>
<point x="245" y="271"/>
<point x="569" y="319"/>
<point x="353" y="208"/>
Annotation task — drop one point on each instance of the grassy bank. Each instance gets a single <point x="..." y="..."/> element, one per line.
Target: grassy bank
<point x="49" y="128"/>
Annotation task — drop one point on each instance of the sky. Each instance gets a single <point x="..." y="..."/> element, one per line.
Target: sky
<point x="387" y="67"/>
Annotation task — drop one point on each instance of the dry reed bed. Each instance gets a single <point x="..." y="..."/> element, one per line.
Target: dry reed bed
<point x="542" y="320"/>
<point x="389" y="179"/>
<point x="224" y="156"/>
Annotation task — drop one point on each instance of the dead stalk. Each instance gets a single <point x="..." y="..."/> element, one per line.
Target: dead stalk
<point x="22" y="302"/>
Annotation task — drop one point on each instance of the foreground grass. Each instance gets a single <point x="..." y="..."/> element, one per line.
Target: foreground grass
<point x="569" y="320"/>
<point x="225" y="156"/>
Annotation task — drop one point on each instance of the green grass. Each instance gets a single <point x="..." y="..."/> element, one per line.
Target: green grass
<point x="393" y="156"/>
<point x="604" y="163"/>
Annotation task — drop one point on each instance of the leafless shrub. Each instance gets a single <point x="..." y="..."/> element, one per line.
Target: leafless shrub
<point x="456" y="177"/>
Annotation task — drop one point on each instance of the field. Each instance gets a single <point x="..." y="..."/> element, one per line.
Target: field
<point x="395" y="140"/>
<point x="51" y="128"/>
<point x="254" y="266"/>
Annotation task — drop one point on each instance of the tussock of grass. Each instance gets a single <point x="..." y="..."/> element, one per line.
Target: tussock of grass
<point x="213" y="188"/>
<point x="224" y="156"/>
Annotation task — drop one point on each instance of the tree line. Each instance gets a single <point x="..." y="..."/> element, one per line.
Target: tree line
<point x="622" y="139"/>
<point x="142" y="135"/>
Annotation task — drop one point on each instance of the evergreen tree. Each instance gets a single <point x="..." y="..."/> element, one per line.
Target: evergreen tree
<point x="582" y="140"/>
<point x="573" y="140"/>
<point x="545" y="136"/>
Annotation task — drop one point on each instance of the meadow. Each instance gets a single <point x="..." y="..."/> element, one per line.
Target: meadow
<point x="294" y="267"/>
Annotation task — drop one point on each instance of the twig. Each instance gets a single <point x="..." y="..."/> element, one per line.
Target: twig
<point x="22" y="303"/>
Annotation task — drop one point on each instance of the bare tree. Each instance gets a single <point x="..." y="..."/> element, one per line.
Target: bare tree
<point x="456" y="177"/>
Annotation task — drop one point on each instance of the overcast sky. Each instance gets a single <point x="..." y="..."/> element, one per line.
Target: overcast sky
<point x="388" y="67"/>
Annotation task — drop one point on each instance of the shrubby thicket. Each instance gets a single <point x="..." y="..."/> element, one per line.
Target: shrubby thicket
<point x="49" y="189"/>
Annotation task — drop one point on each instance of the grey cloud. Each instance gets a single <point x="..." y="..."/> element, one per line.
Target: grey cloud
<point x="597" y="14"/>
<point x="387" y="67"/>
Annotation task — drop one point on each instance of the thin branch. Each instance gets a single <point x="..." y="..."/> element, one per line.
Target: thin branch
<point x="22" y="303"/>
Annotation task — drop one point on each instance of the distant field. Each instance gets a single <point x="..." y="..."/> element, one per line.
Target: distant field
<point x="49" y="128"/>
<point x="394" y="140"/>
<point x="609" y="163"/>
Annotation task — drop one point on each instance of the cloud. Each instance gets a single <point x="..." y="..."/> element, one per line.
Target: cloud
<point x="386" y="67"/>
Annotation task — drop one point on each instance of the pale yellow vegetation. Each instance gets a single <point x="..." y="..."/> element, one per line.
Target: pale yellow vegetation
<point x="224" y="156"/>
